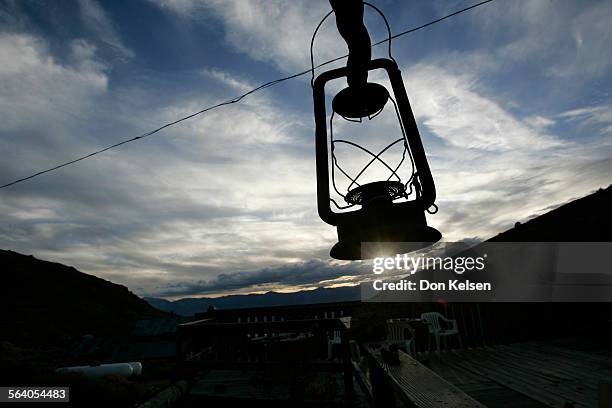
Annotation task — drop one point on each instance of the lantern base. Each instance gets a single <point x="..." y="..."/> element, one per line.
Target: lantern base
<point x="353" y="251"/>
<point x="389" y="228"/>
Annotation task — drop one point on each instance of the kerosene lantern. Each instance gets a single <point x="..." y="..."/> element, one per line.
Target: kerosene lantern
<point x="389" y="210"/>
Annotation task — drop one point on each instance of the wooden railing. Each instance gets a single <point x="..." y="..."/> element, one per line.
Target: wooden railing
<point x="392" y="376"/>
<point x="237" y="346"/>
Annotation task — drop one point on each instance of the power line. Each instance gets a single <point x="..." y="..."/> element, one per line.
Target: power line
<point x="432" y="22"/>
<point x="238" y="98"/>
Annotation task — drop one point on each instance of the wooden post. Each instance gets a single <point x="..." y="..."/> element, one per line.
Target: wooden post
<point x="605" y="393"/>
<point x="382" y="393"/>
<point x="179" y="346"/>
<point x="347" y="365"/>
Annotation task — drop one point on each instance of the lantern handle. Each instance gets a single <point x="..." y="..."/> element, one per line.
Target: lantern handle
<point x="314" y="35"/>
<point x="389" y="36"/>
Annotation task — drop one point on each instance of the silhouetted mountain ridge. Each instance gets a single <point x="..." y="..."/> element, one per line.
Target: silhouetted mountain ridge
<point x="42" y="302"/>
<point x="190" y="306"/>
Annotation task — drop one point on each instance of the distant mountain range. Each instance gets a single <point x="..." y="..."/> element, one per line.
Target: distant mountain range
<point x="45" y="302"/>
<point x="190" y="306"/>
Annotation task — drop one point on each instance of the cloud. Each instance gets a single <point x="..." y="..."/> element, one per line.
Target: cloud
<point x="452" y="107"/>
<point x="97" y="21"/>
<point x="592" y="35"/>
<point x="309" y="273"/>
<point x="45" y="102"/>
<point x="539" y="122"/>
<point x="274" y="31"/>
<point x="185" y="8"/>
<point x="38" y="89"/>
<point x="103" y="29"/>
<point x="228" y="80"/>
<point x="572" y="43"/>
<point x="600" y="116"/>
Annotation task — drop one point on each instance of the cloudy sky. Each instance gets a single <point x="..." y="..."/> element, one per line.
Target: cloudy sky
<point x="512" y="101"/>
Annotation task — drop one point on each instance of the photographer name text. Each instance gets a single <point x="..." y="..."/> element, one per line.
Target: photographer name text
<point x="425" y="285"/>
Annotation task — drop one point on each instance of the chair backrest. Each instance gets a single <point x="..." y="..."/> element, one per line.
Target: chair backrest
<point x="433" y="321"/>
<point x="398" y="330"/>
<point x="336" y="337"/>
<point x="355" y="351"/>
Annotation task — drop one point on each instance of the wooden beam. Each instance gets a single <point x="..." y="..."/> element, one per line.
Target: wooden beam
<point x="605" y="393"/>
<point x="416" y="385"/>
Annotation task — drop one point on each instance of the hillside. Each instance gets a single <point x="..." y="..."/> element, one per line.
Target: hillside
<point x="44" y="302"/>
<point x="587" y="219"/>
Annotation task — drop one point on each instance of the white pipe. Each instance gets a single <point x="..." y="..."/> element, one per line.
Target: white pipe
<point x="137" y="367"/>
<point x="124" y="370"/>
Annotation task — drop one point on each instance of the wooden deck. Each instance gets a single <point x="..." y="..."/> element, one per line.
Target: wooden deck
<point x="560" y="373"/>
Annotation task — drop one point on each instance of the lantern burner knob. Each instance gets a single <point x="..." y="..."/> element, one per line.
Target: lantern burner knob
<point x="378" y="191"/>
<point x="356" y="102"/>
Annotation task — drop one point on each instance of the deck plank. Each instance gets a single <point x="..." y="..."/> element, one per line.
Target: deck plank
<point x="592" y="358"/>
<point x="570" y="368"/>
<point x="484" y="390"/>
<point x="419" y="386"/>
<point x="524" y="379"/>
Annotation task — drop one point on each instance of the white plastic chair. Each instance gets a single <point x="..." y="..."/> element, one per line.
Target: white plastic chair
<point x="334" y="340"/>
<point x="401" y="333"/>
<point x="433" y="319"/>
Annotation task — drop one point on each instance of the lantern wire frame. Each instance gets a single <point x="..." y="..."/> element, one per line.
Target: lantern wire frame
<point x="376" y="157"/>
